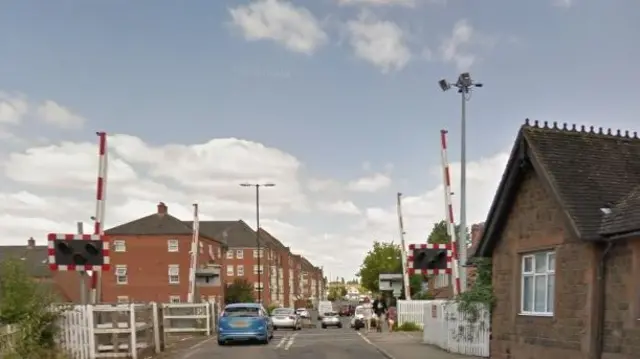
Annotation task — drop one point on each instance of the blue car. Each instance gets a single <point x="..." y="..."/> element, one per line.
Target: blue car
<point x="244" y="322"/>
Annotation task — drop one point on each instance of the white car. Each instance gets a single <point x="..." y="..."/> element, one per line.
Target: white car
<point x="285" y="318"/>
<point x="331" y="319"/>
<point x="303" y="313"/>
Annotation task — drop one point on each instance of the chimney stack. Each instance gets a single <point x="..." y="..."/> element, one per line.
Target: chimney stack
<point x="31" y="243"/>
<point x="476" y="233"/>
<point x="162" y="208"/>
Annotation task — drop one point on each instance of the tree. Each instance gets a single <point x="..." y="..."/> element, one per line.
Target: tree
<point x="240" y="291"/>
<point x="31" y="307"/>
<point x="343" y="291"/>
<point x="382" y="258"/>
<point x="439" y="233"/>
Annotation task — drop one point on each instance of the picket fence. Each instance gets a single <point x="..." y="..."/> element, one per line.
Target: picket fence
<point x="129" y="330"/>
<point x="447" y="327"/>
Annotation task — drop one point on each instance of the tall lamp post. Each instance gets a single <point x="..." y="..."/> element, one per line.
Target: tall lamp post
<point x="257" y="187"/>
<point x="464" y="84"/>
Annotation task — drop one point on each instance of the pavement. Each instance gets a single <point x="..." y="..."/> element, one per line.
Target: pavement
<point x="317" y="343"/>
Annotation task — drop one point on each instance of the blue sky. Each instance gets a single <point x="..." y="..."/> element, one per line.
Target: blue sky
<point x="172" y="72"/>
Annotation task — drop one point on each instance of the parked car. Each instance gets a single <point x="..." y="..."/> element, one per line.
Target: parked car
<point x="303" y="313"/>
<point x="331" y="319"/>
<point x="286" y="318"/>
<point x="346" y="311"/>
<point x="244" y="322"/>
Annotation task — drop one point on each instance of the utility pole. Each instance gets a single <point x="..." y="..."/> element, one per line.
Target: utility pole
<point x="464" y="84"/>
<point x="403" y="252"/>
<point x="257" y="187"/>
<point x="83" y="274"/>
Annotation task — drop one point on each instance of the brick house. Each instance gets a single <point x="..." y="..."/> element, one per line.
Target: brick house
<point x="150" y="261"/>
<point x="279" y="271"/>
<point x="295" y="280"/>
<point x="441" y="285"/>
<point x="241" y="260"/>
<point x="563" y="233"/>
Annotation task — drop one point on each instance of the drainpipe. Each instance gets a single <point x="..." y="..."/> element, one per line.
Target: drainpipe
<point x="601" y="290"/>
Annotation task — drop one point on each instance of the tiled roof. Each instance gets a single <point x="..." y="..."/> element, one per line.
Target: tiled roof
<point x="585" y="169"/>
<point x="271" y="239"/>
<point x="624" y="217"/>
<point x="35" y="258"/>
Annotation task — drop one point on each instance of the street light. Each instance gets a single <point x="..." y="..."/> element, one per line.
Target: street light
<point x="257" y="187"/>
<point x="464" y="84"/>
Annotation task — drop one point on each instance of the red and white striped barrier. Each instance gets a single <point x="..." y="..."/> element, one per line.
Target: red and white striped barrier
<point x="451" y="227"/>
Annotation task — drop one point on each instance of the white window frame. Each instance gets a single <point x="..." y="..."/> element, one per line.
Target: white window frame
<point x="119" y="245"/>
<point x="240" y="253"/>
<point x="230" y="254"/>
<point x="548" y="272"/>
<point x="258" y="287"/>
<point x="121" y="274"/>
<point x="174" y="299"/>
<point x="173" y="245"/>
<point x="122" y="299"/>
<point x="230" y="270"/>
<point x="257" y="269"/>
<point x="174" y="274"/>
<point x="240" y="270"/>
<point x="219" y="253"/>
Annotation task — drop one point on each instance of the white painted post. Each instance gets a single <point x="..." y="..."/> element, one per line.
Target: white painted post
<point x="156" y="326"/>
<point x="208" y="313"/>
<point x="133" y="347"/>
<point x="87" y="311"/>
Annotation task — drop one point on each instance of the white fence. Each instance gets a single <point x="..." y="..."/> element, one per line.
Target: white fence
<point x="411" y="311"/>
<point x="452" y="330"/>
<point x="129" y="330"/>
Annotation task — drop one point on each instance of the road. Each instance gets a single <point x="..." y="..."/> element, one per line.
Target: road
<point x="311" y="343"/>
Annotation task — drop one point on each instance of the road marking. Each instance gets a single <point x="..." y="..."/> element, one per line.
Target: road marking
<point x="282" y="341"/>
<point x="380" y="350"/>
<point x="194" y="348"/>
<point x="290" y="342"/>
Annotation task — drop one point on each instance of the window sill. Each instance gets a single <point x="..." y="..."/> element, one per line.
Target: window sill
<point x="529" y="314"/>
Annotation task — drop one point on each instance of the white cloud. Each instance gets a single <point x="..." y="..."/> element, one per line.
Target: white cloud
<point x="55" y="187"/>
<point x="381" y="43"/>
<point x="339" y="207"/>
<point x="294" y="27"/>
<point x="54" y="114"/>
<point x="371" y="183"/>
<point x="12" y="109"/>
<point x="420" y="211"/>
<point x="463" y="46"/>
<point x="409" y="3"/>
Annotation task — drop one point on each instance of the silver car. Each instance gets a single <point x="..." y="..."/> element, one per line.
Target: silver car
<point x="286" y="318"/>
<point x="331" y="319"/>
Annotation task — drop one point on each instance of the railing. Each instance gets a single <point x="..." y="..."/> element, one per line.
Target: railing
<point x="124" y="330"/>
<point x="455" y="331"/>
<point x="8" y="335"/>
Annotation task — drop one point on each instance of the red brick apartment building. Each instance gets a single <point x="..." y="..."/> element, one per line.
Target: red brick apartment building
<point x="563" y="233"/>
<point x="150" y="262"/>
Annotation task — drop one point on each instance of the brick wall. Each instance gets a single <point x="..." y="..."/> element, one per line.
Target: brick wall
<point x="535" y="223"/>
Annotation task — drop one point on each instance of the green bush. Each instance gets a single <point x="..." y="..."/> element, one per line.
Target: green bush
<point x="408" y="327"/>
<point x="271" y="307"/>
<point x="29" y="306"/>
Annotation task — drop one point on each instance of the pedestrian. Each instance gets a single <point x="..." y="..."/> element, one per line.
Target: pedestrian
<point x="392" y="316"/>
<point x="380" y="309"/>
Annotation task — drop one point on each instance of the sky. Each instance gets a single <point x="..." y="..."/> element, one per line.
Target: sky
<point x="335" y="101"/>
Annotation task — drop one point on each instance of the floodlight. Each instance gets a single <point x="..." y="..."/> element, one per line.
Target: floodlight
<point x="464" y="80"/>
<point x="444" y="85"/>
